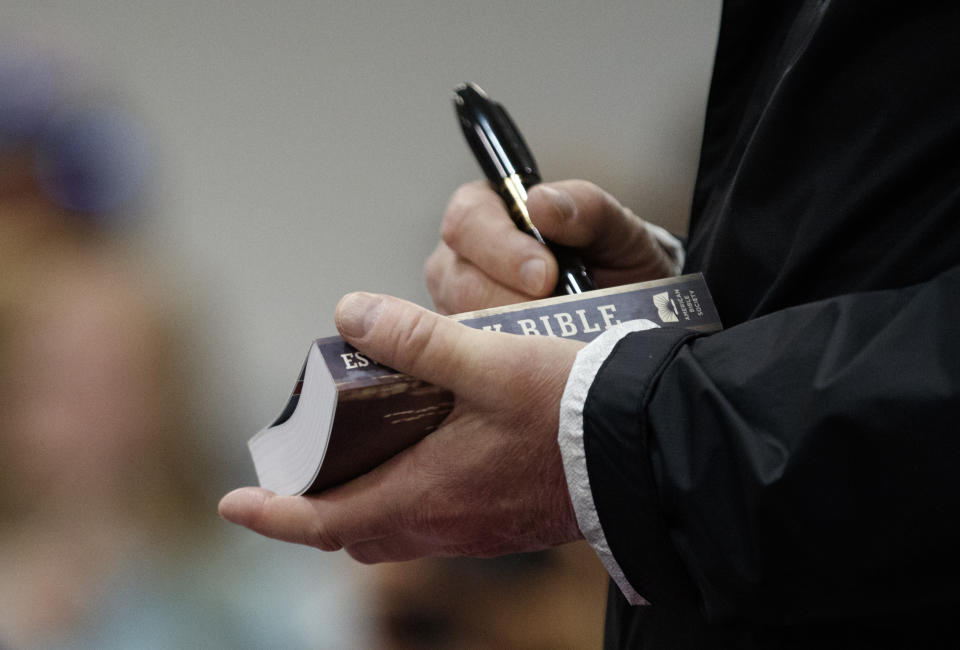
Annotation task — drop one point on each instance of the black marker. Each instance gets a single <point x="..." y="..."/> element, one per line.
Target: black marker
<point x="509" y="166"/>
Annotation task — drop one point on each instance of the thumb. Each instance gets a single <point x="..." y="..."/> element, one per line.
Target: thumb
<point x="582" y="215"/>
<point x="423" y="344"/>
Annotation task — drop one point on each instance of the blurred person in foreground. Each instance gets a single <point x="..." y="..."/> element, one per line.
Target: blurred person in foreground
<point x="106" y="537"/>
<point x="789" y="482"/>
<point x="98" y="475"/>
<point x="524" y="601"/>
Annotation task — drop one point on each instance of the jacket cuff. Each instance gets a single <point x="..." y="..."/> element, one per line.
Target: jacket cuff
<point x="582" y="374"/>
<point x="603" y="443"/>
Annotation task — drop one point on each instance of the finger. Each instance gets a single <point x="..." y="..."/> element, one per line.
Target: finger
<point x="367" y="512"/>
<point x="477" y="227"/>
<point x="287" y="518"/>
<point x="360" y="511"/>
<point x="352" y="523"/>
<point x="426" y="345"/>
<point x="582" y="215"/>
<point x="457" y="285"/>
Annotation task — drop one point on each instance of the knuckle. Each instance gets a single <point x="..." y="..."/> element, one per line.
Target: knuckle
<point x="605" y="206"/>
<point x="320" y="537"/>
<point x="586" y="187"/>
<point x="461" y="208"/>
<point x="442" y="304"/>
<point x="441" y="280"/>
<point x="470" y="292"/>
<point x="410" y="342"/>
<point x="595" y="199"/>
<point x="433" y="271"/>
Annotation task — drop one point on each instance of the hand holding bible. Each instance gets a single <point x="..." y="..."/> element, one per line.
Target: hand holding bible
<point x="489" y="481"/>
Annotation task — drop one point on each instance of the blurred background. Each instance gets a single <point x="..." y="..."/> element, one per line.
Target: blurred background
<point x="186" y="190"/>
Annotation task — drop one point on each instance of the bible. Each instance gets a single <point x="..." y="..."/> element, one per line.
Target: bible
<point x="347" y="413"/>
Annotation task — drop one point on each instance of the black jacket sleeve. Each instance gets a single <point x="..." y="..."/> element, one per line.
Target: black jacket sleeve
<point x="802" y="466"/>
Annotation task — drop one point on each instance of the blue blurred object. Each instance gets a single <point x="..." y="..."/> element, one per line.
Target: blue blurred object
<point x="91" y="159"/>
<point x="92" y="162"/>
<point x="27" y="97"/>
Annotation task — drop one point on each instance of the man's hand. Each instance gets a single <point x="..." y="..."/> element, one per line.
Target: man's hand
<point x="489" y="481"/>
<point x="483" y="260"/>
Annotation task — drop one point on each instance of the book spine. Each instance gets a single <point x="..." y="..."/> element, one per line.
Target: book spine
<point x="683" y="301"/>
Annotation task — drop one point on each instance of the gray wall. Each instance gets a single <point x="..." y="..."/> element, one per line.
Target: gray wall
<point x="306" y="149"/>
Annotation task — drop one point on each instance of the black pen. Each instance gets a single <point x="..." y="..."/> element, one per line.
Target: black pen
<point x="509" y="166"/>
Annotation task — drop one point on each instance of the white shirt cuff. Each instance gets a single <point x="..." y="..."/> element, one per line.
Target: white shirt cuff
<point x="670" y="244"/>
<point x="584" y="371"/>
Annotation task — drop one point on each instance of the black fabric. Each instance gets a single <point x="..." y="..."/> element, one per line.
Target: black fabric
<point x="618" y="463"/>
<point x="802" y="463"/>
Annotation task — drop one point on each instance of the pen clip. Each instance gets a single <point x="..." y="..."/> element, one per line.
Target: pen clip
<point x="495" y="140"/>
<point x="515" y="146"/>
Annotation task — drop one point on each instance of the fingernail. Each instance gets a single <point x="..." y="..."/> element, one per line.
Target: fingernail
<point x="357" y="313"/>
<point x="534" y="274"/>
<point x="561" y="201"/>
